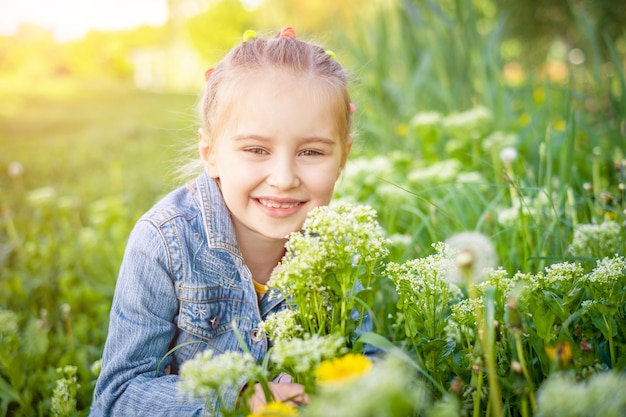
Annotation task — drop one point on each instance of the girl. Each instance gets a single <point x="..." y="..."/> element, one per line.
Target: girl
<point x="275" y="136"/>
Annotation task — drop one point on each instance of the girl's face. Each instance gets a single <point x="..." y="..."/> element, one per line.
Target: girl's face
<point x="277" y="155"/>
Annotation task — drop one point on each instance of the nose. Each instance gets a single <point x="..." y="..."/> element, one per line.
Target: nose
<point x="283" y="174"/>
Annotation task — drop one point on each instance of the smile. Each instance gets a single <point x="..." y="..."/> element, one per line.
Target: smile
<point x="278" y="204"/>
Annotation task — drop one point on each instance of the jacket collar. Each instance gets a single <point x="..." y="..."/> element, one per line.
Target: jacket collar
<point x="217" y="223"/>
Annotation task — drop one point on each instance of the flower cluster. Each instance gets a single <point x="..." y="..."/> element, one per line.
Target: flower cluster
<point x="329" y="266"/>
<point x="64" y="394"/>
<point x="282" y="325"/>
<point x="302" y="355"/>
<point x="596" y="240"/>
<point x="208" y="373"/>
<point x="602" y="394"/>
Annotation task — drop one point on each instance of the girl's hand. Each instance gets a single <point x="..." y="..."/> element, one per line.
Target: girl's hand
<point x="285" y="392"/>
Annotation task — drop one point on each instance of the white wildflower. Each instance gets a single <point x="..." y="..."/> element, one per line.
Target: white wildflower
<point x="96" y="367"/>
<point x="8" y="322"/>
<point x="473" y="123"/>
<point x="602" y="394"/>
<point x="64" y="394"/>
<point x="608" y="271"/>
<point x="207" y="373"/>
<point x="302" y="355"/>
<point x="41" y="196"/>
<point x="440" y="172"/>
<point x="15" y="169"/>
<point x="479" y="251"/>
<point x="282" y="325"/>
<point x="499" y="140"/>
<point x="605" y="239"/>
<point x="508" y="155"/>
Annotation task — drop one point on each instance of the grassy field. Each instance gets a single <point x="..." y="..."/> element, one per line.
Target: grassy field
<point x="79" y="165"/>
<point x="536" y="164"/>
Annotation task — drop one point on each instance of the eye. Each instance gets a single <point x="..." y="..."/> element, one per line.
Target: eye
<point x="311" y="152"/>
<point x="256" y="151"/>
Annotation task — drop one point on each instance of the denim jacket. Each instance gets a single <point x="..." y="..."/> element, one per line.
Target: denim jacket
<point x="182" y="283"/>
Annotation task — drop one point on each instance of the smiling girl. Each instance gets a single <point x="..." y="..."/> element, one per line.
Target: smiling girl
<point x="274" y="137"/>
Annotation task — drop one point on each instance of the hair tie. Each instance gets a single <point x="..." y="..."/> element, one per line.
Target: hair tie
<point x="352" y="108"/>
<point x="249" y="34"/>
<point x="208" y="73"/>
<point x="287" y="32"/>
<point x="330" y="54"/>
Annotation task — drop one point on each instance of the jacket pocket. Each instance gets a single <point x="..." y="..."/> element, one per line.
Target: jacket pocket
<point x="209" y="312"/>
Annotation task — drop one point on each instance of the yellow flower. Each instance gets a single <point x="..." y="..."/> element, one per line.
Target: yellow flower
<point x="401" y="130"/>
<point x="524" y="119"/>
<point x="561" y="353"/>
<point x="342" y="370"/>
<point x="560" y="125"/>
<point x="276" y="409"/>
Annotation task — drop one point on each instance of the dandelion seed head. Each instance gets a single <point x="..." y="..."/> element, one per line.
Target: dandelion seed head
<point x="508" y="155"/>
<point x="474" y="253"/>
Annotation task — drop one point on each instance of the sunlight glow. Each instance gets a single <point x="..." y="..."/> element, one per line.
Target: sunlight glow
<point x="72" y="19"/>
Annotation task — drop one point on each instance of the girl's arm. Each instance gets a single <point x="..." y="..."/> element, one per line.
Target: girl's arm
<point x="141" y="331"/>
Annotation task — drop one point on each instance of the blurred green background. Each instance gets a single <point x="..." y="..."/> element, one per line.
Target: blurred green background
<point x="92" y="131"/>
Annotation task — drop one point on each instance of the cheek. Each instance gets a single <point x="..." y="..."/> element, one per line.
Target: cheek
<point x="322" y="186"/>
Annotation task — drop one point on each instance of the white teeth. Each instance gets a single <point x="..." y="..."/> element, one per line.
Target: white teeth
<point x="275" y="204"/>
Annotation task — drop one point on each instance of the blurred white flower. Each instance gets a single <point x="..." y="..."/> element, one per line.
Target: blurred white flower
<point x="603" y="394"/>
<point x="41" y="196"/>
<point x="207" y="373"/>
<point x="599" y="240"/>
<point x="8" y="322"/>
<point x="439" y="172"/>
<point x="64" y="394"/>
<point x="15" y="169"/>
<point x="508" y="155"/>
<point x="499" y="140"/>
<point x="475" y="253"/>
<point x="303" y="355"/>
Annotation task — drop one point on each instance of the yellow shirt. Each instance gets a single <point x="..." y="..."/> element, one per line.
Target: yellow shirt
<point x="260" y="288"/>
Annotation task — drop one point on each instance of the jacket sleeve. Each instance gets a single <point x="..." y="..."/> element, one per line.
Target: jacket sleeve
<point x="141" y="332"/>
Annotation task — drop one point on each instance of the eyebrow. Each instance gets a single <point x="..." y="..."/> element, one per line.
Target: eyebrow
<point x="308" y="139"/>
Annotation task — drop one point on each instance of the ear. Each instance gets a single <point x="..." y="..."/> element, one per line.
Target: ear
<point x="206" y="154"/>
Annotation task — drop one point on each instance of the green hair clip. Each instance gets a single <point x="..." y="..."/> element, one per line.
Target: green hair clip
<point x="249" y="34"/>
<point x="330" y="54"/>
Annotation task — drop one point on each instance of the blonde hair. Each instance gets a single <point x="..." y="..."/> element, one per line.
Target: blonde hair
<point x="282" y="53"/>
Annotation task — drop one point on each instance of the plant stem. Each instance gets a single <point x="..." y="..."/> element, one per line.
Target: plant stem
<point x="522" y="361"/>
<point x="609" y="336"/>
<point x="479" y="389"/>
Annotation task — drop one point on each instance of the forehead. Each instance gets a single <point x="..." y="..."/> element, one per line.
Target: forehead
<point x="270" y="96"/>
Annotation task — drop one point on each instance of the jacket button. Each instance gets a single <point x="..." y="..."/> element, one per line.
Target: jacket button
<point x="256" y="335"/>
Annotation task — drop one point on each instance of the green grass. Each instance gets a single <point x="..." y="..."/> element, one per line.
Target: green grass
<point x="93" y="161"/>
<point x="96" y="155"/>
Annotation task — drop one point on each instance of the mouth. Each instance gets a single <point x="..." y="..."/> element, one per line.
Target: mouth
<point x="279" y="204"/>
